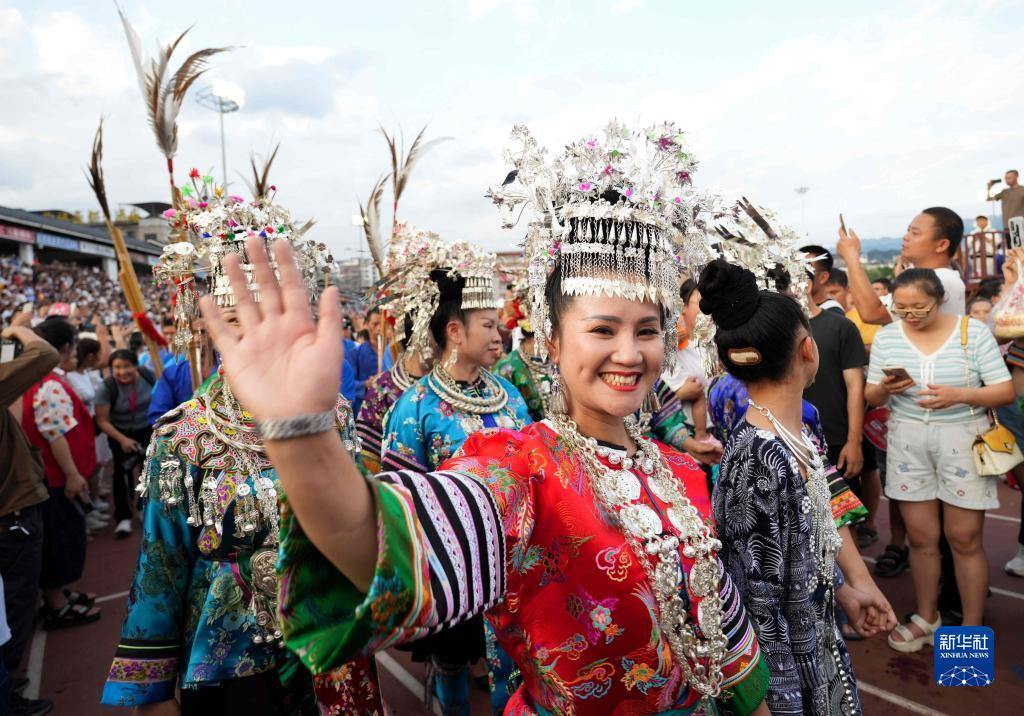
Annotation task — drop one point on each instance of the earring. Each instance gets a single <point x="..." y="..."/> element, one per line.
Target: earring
<point x="556" y="402"/>
<point x="453" y="358"/>
<point x="651" y="404"/>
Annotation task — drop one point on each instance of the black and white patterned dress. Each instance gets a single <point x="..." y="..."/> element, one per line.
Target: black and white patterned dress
<point x="762" y="510"/>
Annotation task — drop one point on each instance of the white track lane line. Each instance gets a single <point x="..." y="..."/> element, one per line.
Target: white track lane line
<point x="897" y="700"/>
<point x="995" y="590"/>
<point x="37" y="654"/>
<point x="408" y="680"/>
<point x="112" y="597"/>
<point x="34" y="670"/>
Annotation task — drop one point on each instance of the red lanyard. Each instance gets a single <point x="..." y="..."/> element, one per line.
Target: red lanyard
<point x="134" y="400"/>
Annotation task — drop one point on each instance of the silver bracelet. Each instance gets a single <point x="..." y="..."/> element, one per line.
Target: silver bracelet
<point x="296" y="426"/>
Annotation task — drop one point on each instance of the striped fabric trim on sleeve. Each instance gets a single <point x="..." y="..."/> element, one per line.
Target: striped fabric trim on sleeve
<point x="394" y="461"/>
<point x="370" y="438"/>
<point x="743" y="651"/>
<point x="461" y="524"/>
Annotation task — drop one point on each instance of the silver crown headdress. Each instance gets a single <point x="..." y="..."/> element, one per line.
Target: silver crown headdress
<point x="478" y="268"/>
<point x="406" y="289"/>
<point x="212" y="225"/>
<point x="772" y="254"/>
<point x="606" y="214"/>
<point x="752" y="237"/>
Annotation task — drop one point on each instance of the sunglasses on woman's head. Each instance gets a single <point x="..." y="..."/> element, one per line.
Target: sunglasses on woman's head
<point x="913" y="312"/>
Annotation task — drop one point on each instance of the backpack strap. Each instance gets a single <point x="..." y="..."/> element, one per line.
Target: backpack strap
<point x="147" y="375"/>
<point x="112" y="390"/>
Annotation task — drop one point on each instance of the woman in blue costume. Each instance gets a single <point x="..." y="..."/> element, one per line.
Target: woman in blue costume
<point x="202" y="610"/>
<point x="434" y="417"/>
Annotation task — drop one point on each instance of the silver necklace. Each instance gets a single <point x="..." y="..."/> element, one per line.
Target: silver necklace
<point x="447" y="388"/>
<point x="400" y="375"/>
<point x="542" y="373"/>
<point x="825" y="539"/>
<point x="619" y="492"/>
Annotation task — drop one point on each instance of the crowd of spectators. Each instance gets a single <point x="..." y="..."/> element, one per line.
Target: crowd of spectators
<point x="74" y="286"/>
<point x="890" y="399"/>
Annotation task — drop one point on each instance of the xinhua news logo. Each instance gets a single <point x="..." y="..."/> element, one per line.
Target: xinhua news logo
<point x="965" y="656"/>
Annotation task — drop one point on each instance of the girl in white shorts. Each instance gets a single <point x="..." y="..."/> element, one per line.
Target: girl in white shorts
<point x="931" y="432"/>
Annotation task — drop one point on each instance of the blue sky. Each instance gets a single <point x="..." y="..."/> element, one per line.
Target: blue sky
<point x="880" y="108"/>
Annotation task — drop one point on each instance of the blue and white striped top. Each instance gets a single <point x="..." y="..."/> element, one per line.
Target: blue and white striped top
<point x="892" y="349"/>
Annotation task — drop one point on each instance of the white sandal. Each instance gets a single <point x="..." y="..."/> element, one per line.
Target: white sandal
<point x="910" y="643"/>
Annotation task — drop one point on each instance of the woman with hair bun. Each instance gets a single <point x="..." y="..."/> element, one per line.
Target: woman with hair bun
<point x="771" y="502"/>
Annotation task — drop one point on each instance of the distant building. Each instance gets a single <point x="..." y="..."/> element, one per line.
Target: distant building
<point x="55" y="235"/>
<point x="149" y="227"/>
<point x="356" y="276"/>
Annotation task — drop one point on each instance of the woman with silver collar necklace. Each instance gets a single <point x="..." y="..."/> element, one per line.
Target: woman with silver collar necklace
<point x="432" y="420"/>
<point x="588" y="546"/>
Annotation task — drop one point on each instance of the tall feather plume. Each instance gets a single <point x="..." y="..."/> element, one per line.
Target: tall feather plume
<point x="260" y="184"/>
<point x="371" y="223"/>
<point x="754" y="214"/>
<point x="402" y="164"/>
<point x="95" y="177"/>
<point x="164" y="95"/>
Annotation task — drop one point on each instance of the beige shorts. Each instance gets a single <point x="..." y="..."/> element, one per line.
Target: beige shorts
<point x="929" y="461"/>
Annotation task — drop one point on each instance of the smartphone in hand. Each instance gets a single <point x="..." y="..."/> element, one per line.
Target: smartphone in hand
<point x="899" y="374"/>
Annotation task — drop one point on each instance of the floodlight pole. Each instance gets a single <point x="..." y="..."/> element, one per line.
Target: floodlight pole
<point x="221" y="105"/>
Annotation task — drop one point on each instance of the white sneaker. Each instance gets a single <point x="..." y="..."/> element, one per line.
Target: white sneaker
<point x="124" y="528"/>
<point x="95" y="521"/>
<point x="1016" y="565"/>
<point x="100" y="505"/>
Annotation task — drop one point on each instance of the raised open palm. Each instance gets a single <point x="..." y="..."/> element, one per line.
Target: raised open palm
<point x="278" y="362"/>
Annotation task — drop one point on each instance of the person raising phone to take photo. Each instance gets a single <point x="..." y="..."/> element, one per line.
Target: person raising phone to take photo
<point x="931" y="241"/>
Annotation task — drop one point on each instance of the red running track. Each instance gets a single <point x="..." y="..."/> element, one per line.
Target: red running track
<point x="69" y="666"/>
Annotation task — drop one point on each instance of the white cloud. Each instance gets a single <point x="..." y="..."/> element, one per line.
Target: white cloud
<point x="626" y="6"/>
<point x="522" y="10"/>
<point x="80" y="59"/>
<point x="479" y="8"/>
<point x="10" y="22"/>
<point x="886" y="115"/>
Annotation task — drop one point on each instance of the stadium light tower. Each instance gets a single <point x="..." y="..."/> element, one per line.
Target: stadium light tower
<point x="223" y="98"/>
<point x="802" y="191"/>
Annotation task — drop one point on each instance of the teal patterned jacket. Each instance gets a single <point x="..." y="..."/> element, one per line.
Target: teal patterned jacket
<point x="189" y="618"/>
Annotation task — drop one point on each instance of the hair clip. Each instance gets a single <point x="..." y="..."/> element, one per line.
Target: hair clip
<point x="744" y="356"/>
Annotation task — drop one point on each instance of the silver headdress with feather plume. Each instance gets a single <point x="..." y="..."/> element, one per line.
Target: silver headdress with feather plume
<point x="216" y="224"/>
<point x="407" y="259"/>
<point x="164" y="92"/>
<point x="402" y="164"/>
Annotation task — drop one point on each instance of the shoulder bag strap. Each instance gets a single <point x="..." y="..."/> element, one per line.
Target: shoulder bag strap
<point x="967" y="374"/>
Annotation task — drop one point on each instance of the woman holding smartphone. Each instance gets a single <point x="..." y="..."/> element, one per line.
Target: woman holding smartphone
<point x="951" y="364"/>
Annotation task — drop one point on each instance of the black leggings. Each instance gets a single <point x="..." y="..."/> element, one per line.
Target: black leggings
<point x="258" y="695"/>
<point x="123" y="476"/>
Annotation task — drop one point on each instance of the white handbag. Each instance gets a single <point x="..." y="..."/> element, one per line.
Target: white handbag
<point x="995" y="451"/>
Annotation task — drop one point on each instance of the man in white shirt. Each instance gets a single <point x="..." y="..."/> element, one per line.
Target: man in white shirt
<point x="931" y="241"/>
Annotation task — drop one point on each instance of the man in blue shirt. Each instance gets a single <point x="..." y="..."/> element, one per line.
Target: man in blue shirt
<point x="174" y="387"/>
<point x="364" y="359"/>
